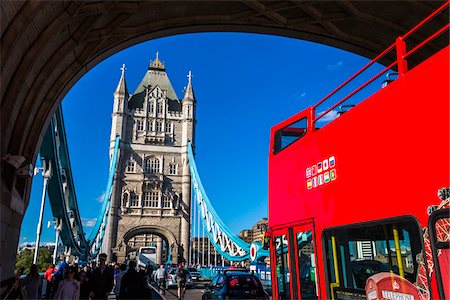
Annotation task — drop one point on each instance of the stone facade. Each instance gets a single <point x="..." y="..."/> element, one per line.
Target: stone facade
<point x="151" y="193"/>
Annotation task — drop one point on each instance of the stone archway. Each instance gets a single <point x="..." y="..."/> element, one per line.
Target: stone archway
<point x="164" y="233"/>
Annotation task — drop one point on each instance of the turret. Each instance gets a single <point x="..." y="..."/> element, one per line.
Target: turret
<point x="188" y="103"/>
<point x="119" y="110"/>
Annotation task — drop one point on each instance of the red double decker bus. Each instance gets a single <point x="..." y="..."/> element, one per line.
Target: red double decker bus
<point x="357" y="208"/>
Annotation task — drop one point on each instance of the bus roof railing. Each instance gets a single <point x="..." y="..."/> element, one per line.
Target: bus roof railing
<point x="401" y="62"/>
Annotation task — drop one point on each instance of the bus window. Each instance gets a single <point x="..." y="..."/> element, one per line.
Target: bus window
<point x="306" y="265"/>
<point x="356" y="253"/>
<point x="282" y="266"/>
<point x="289" y="134"/>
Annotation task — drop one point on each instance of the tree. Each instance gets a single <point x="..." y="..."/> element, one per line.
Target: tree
<point x="24" y="259"/>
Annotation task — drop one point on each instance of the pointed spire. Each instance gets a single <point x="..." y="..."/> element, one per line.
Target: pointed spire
<point x="189" y="91"/>
<point x="122" y="86"/>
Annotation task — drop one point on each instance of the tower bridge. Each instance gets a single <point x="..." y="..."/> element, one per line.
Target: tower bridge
<point x="151" y="179"/>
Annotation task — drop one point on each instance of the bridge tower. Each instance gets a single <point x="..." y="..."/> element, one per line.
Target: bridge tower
<point x="151" y="198"/>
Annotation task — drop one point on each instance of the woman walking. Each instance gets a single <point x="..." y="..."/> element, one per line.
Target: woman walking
<point x="33" y="283"/>
<point x="69" y="288"/>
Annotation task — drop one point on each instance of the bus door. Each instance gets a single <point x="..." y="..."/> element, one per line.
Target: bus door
<point x="281" y="278"/>
<point x="439" y="228"/>
<point x="305" y="262"/>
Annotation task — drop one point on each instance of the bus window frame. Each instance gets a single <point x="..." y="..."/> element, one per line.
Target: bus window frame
<point x="373" y="223"/>
<point x="276" y="233"/>
<point x="306" y="226"/>
<point x="307" y="114"/>
<point x="434" y="217"/>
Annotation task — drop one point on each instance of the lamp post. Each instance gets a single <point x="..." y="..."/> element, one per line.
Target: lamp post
<point x="46" y="173"/>
<point x="57" y="223"/>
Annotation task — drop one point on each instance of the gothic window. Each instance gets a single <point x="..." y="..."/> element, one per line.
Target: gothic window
<point x="166" y="202"/>
<point x="139" y="125"/>
<point x="173" y="169"/>
<point x="160" y="108"/>
<point x="131" y="165"/>
<point x="158" y="126"/>
<point x="150" y="125"/>
<point x="134" y="200"/>
<point x="146" y="199"/>
<point x="169" y="127"/>
<point x="125" y="200"/>
<point x="154" y="199"/>
<point x="151" y="107"/>
<point x="152" y="165"/>
<point x="189" y="111"/>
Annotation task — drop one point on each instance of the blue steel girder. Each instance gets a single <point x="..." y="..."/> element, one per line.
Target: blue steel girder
<point x="227" y="244"/>
<point x="61" y="190"/>
<point x="98" y="232"/>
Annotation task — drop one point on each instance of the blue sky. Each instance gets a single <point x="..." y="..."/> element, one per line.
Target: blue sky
<point x="243" y="83"/>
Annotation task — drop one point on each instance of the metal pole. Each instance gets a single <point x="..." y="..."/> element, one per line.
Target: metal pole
<point x="209" y="252"/>
<point x="41" y="215"/>
<point x="55" y="251"/>
<point x="191" y="231"/>
<point x="215" y="257"/>
<point x="198" y="236"/>
<point x="203" y="245"/>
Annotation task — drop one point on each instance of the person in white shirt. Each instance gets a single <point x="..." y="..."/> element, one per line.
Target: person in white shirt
<point x="69" y="288"/>
<point x="160" y="278"/>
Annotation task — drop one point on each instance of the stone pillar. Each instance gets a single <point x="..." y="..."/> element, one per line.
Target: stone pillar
<point x="185" y="205"/>
<point x="113" y="219"/>
<point x="159" y="250"/>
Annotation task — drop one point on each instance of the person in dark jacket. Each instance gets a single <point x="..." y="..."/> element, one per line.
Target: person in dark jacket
<point x="85" y="285"/>
<point x="102" y="279"/>
<point x="133" y="285"/>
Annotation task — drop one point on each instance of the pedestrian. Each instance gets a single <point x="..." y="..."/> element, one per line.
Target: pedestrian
<point x="33" y="283"/>
<point x="133" y="284"/>
<point x="48" y="276"/>
<point x="118" y="279"/>
<point x="69" y="287"/>
<point x="102" y="279"/>
<point x="85" y="285"/>
<point x="14" y="288"/>
<point x="58" y="276"/>
<point x="160" y="279"/>
<point x="181" y="281"/>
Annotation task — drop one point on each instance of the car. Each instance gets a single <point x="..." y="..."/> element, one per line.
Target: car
<point x="172" y="281"/>
<point x="196" y="275"/>
<point x="234" y="284"/>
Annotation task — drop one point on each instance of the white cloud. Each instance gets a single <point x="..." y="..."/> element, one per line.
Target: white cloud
<point x="330" y="116"/>
<point x="335" y="66"/>
<point x="101" y="198"/>
<point x="303" y="95"/>
<point x="88" y="222"/>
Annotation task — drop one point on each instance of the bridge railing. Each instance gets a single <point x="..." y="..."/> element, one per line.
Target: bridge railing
<point x="362" y="84"/>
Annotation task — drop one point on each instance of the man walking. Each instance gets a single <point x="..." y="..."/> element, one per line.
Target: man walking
<point x="160" y="278"/>
<point x="181" y="281"/>
<point x="102" y="279"/>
